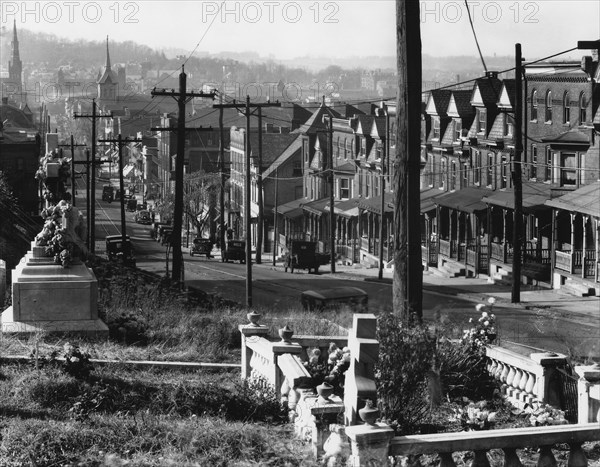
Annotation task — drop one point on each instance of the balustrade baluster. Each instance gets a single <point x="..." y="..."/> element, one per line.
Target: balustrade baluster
<point x="530" y="384"/>
<point x="577" y="456"/>
<point x="547" y="458"/>
<point x="511" y="459"/>
<point x="492" y="366"/>
<point x="446" y="460"/>
<point x="505" y="372"/>
<point x="499" y="371"/>
<point x="512" y="372"/>
<point x="480" y="459"/>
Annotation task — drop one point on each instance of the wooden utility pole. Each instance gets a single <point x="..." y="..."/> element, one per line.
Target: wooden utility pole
<point x="517" y="179"/>
<point x="222" y="170"/>
<point x="182" y="97"/>
<point x="247" y="150"/>
<point x="72" y="146"/>
<point x="120" y="143"/>
<point x="331" y="182"/>
<point x="275" y="229"/>
<point x="92" y="188"/>
<point x="408" y="274"/>
<point x="384" y="158"/>
<point x="259" y="200"/>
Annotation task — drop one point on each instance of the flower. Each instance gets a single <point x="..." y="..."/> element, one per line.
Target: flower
<point x="491" y="300"/>
<point x="479" y="306"/>
<point x="484" y="330"/>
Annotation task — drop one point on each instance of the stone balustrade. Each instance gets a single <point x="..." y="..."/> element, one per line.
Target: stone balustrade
<point x="588" y="389"/>
<point x="526" y="380"/>
<point x="509" y="440"/>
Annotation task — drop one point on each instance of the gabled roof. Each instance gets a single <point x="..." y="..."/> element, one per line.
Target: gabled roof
<point x="364" y="124"/>
<point x="378" y="128"/>
<point x="315" y="122"/>
<point x="437" y="103"/>
<point x="293" y="148"/>
<point x="497" y="130"/>
<point x="486" y="91"/>
<point x="507" y="94"/>
<point x="585" y="200"/>
<point x="459" y="104"/>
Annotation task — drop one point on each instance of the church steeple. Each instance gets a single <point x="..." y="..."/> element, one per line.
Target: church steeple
<point x="107" y="82"/>
<point x="107" y="66"/>
<point x="15" y="66"/>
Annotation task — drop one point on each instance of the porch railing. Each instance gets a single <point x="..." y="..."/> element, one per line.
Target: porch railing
<point x="502" y="252"/>
<point x="563" y="260"/>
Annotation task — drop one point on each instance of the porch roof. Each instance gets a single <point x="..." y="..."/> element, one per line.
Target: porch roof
<point x="316" y="207"/>
<point x="374" y="204"/>
<point x="427" y="199"/>
<point x="467" y="199"/>
<point x="347" y="208"/>
<point x="585" y="200"/>
<point x="291" y="209"/>
<point x="535" y="196"/>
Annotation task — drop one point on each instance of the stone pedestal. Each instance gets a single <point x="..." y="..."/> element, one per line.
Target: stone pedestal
<point x="47" y="297"/>
<point x="370" y="444"/>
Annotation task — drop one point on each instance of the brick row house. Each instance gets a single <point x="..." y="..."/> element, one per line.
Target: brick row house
<point x="467" y="199"/>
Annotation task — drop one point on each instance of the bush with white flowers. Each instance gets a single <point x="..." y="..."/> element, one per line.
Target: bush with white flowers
<point x="483" y="331"/>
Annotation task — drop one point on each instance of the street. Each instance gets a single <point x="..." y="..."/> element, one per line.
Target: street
<point x="272" y="287"/>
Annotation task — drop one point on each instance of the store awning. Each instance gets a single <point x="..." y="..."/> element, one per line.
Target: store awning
<point x="585" y="200"/>
<point x="535" y="196"/>
<point x="466" y="199"/>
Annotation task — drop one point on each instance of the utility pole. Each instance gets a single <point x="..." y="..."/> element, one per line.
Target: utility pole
<point x="120" y="143"/>
<point x="92" y="187"/>
<point x="222" y="170"/>
<point x="182" y="98"/>
<point x="331" y="180"/>
<point x="275" y="229"/>
<point x="382" y="184"/>
<point x="408" y="274"/>
<point x="517" y="178"/>
<point x="247" y="150"/>
<point x="259" y="199"/>
<point x="72" y="146"/>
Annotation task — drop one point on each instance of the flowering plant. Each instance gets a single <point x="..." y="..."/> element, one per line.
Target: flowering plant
<point x="333" y="370"/>
<point x="541" y="414"/>
<point x="483" y="332"/>
<point x="474" y="416"/>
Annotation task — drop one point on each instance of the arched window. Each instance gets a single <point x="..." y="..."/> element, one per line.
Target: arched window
<point x="548" y="106"/>
<point x="566" y="108"/>
<point x="534" y="105"/>
<point x="582" y="109"/>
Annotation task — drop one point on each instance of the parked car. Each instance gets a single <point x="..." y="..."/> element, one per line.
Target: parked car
<point x="131" y="205"/>
<point x="303" y="255"/>
<point x="164" y="235"/>
<point x="235" y="250"/>
<point x="318" y="300"/>
<point x="202" y="246"/>
<point x="117" y="250"/>
<point x="108" y="193"/>
<point x="155" y="229"/>
<point x="143" y="217"/>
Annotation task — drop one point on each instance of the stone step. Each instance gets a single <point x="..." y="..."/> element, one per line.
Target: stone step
<point x="578" y="289"/>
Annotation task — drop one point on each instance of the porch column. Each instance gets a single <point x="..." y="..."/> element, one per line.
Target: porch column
<point x="504" y="250"/>
<point x="490" y="213"/>
<point x="571" y="265"/>
<point x="584" y="220"/>
<point x="597" y="247"/>
<point x="427" y="241"/>
<point x="438" y="212"/>
<point x="554" y="245"/>
<point x="465" y="227"/>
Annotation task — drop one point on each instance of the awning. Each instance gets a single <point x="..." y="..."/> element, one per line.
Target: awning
<point x="374" y="204"/>
<point x="585" y="200"/>
<point x="466" y="199"/>
<point x="535" y="196"/>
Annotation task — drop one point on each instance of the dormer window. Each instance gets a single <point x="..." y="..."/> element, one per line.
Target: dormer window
<point x="508" y="125"/>
<point x="457" y="130"/>
<point x="436" y="128"/>
<point x="534" y="106"/>
<point x="548" y="118"/>
<point x="481" y="121"/>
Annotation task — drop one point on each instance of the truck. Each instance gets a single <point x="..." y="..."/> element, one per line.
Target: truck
<point x="303" y="254"/>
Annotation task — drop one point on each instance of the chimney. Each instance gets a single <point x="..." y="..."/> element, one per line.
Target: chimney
<point x="491" y="74"/>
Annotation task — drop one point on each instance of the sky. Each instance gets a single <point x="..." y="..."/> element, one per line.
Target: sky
<point x="288" y="29"/>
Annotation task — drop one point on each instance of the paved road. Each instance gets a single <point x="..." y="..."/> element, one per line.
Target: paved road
<point x="272" y="287"/>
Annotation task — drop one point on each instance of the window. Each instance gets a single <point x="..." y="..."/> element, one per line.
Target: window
<point x="582" y="109"/>
<point x="490" y="169"/>
<point x="566" y="108"/>
<point x="454" y="183"/>
<point x="431" y="170"/>
<point x="548" y="173"/>
<point x="344" y="188"/>
<point x="534" y="105"/>
<point x="508" y="125"/>
<point x="348" y="149"/>
<point x="297" y="170"/>
<point x="379" y="148"/>
<point x="368" y="185"/>
<point x="457" y="130"/>
<point x="481" y="120"/>
<point x="363" y="147"/>
<point x="443" y="172"/>
<point x="548" y="118"/>
<point x="436" y="128"/>
<point x="465" y="174"/>
<point x="345" y="149"/>
<point x="376" y="185"/>
<point x="504" y="180"/>
<point x="477" y="166"/>
<point x="534" y="160"/>
<point x="568" y="169"/>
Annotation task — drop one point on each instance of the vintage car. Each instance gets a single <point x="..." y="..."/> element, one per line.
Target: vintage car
<point x="303" y="255"/>
<point x="154" y="231"/>
<point x="143" y="217"/>
<point x="164" y="234"/>
<point x="117" y="250"/>
<point x="202" y="246"/>
<point x="131" y="205"/>
<point x="354" y="298"/>
<point x="235" y="250"/>
<point x="108" y="193"/>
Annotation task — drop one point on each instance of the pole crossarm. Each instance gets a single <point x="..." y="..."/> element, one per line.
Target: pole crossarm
<point x="210" y="128"/>
<point x="186" y="97"/>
